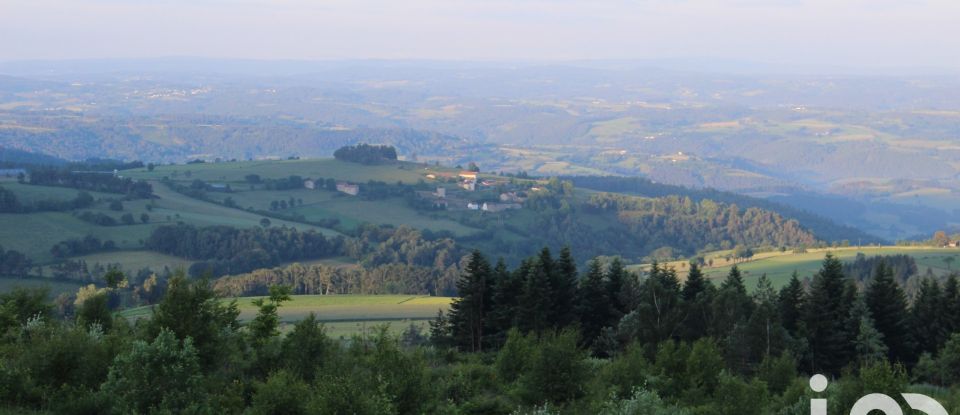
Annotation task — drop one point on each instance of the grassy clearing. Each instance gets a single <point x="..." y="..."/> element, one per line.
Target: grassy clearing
<point x="28" y="193"/>
<point x="274" y="169"/>
<point x="132" y="261"/>
<point x="56" y="287"/>
<point x="344" y="314"/>
<point x="780" y="266"/>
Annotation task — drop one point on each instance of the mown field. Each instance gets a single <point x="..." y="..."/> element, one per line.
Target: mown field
<point x="780" y="266"/>
<point x="235" y="172"/>
<point x="344" y="315"/>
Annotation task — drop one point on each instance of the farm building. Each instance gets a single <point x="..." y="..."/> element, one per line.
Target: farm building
<point x="512" y="197"/>
<point x="500" y="207"/>
<point x="473" y="206"/>
<point x="350" y="189"/>
<point x="954" y="244"/>
<point x="441" y="192"/>
<point x="468" y="175"/>
<point x="470" y="185"/>
<point x="309" y="184"/>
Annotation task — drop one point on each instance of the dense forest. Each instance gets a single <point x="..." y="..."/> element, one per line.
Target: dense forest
<point x="225" y="250"/>
<point x="541" y="338"/>
<point x="824" y="228"/>
<point x="366" y="154"/>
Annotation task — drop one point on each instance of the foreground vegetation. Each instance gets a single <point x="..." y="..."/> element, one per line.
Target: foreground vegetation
<point x="542" y="338"/>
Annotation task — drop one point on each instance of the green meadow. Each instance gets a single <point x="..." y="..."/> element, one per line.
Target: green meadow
<point x="780" y="266"/>
<point x="343" y="315"/>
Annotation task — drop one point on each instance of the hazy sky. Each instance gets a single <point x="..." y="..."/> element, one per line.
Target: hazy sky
<point x="859" y="33"/>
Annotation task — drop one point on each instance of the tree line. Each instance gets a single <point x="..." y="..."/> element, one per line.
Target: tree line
<point x="830" y="326"/>
<point x="95" y="181"/>
<point x="10" y="203"/>
<point x="225" y="250"/>
<point x="366" y="153"/>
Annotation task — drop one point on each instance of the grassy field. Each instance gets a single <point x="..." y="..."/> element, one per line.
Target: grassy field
<point x="344" y="314"/>
<point x="234" y="172"/>
<point x="56" y="287"/>
<point x="780" y="266"/>
<point x="132" y="261"/>
<point x="349" y="210"/>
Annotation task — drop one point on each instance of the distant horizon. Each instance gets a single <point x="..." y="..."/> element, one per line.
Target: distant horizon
<point x="701" y="65"/>
<point x="866" y="34"/>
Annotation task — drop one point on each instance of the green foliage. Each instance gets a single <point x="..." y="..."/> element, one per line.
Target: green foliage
<point x="161" y="376"/>
<point x="556" y="370"/>
<point x="192" y="310"/>
<point x="282" y="393"/>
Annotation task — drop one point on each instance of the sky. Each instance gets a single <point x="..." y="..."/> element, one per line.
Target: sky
<point x="854" y="33"/>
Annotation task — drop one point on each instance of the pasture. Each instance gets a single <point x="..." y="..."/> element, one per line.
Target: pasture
<point x="343" y="315"/>
<point x="779" y="266"/>
<point x="235" y="172"/>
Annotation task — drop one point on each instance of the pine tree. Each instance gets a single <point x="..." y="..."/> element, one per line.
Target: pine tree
<point x="659" y="311"/>
<point x="868" y="342"/>
<point x="792" y="298"/>
<point x="825" y="316"/>
<point x="616" y="283"/>
<point x="888" y="307"/>
<point x="926" y="318"/>
<point x="468" y="313"/>
<point x="767" y="337"/>
<point x="565" y="289"/>
<point x="507" y="288"/>
<point x="951" y="298"/>
<point x="536" y="303"/>
<point x="695" y="284"/>
<point x="698" y="294"/>
<point x="594" y="310"/>
<point x="731" y="306"/>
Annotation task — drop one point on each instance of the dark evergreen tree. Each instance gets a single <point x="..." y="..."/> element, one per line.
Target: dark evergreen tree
<point x="469" y="312"/>
<point x="765" y="334"/>
<point x="565" y="289"/>
<point x="593" y="307"/>
<point x="616" y="281"/>
<point x="698" y="294"/>
<point x="536" y="303"/>
<point x="792" y="299"/>
<point x="825" y="316"/>
<point x="926" y="317"/>
<point x="888" y="307"/>
<point x="731" y="306"/>
<point x="695" y="284"/>
<point x="659" y="315"/>
<point x="507" y="289"/>
<point x="951" y="298"/>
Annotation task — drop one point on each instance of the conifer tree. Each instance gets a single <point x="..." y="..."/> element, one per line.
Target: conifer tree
<point x="888" y="307"/>
<point x="731" y="306"/>
<point x="535" y="311"/>
<point x="468" y="313"/>
<point x="659" y="312"/>
<point x="764" y="330"/>
<point x="792" y="298"/>
<point x="951" y="298"/>
<point x="825" y="316"/>
<point x="594" y="310"/>
<point x="868" y="342"/>
<point x="616" y="283"/>
<point x="507" y="288"/>
<point x="565" y="290"/>
<point x="698" y="293"/>
<point x="926" y="318"/>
